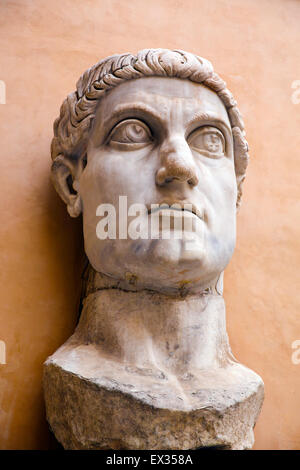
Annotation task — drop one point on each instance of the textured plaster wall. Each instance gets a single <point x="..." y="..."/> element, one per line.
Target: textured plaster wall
<point x="44" y="47"/>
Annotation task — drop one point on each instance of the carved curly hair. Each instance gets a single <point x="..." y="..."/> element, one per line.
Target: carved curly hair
<point x="71" y="128"/>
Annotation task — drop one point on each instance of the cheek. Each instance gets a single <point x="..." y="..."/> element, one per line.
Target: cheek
<point x="110" y="174"/>
<point x="221" y="193"/>
<point x="222" y="188"/>
<point x="102" y="180"/>
<point x="221" y="235"/>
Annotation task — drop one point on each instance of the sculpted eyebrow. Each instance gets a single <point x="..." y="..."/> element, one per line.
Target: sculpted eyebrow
<point x="200" y="117"/>
<point x="132" y="110"/>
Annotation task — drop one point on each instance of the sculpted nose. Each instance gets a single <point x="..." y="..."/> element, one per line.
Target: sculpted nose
<point x="177" y="163"/>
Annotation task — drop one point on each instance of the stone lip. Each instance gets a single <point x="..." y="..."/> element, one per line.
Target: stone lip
<point x="95" y="402"/>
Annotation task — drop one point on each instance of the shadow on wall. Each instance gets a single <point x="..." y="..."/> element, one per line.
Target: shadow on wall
<point x="65" y="244"/>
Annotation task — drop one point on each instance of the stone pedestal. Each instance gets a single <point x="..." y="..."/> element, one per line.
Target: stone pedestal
<point x="149" y="371"/>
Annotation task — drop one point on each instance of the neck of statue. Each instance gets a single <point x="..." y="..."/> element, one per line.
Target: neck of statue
<point x="150" y="330"/>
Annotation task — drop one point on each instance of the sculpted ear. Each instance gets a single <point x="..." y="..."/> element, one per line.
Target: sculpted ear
<point x="64" y="174"/>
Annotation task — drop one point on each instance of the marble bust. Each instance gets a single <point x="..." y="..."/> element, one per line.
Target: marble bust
<point x="155" y="136"/>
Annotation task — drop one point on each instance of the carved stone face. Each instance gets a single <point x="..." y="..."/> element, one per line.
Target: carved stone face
<point x="161" y="140"/>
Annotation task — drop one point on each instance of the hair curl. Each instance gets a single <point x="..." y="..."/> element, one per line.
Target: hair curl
<point x="71" y="128"/>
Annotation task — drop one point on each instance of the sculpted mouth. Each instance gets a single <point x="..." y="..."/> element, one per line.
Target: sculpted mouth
<point x="181" y="206"/>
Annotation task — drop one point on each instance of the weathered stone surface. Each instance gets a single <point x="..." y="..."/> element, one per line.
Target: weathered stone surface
<point x="153" y="148"/>
<point x="142" y="385"/>
<point x="101" y="410"/>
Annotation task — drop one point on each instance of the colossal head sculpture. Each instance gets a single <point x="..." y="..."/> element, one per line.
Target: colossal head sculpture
<point x="151" y="150"/>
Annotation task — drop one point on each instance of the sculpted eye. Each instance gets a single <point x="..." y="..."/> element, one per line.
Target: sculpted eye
<point x="131" y="132"/>
<point x="209" y="141"/>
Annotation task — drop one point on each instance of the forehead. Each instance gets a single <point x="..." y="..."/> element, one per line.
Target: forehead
<point x="164" y="95"/>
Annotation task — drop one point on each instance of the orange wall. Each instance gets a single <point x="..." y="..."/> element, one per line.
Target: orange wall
<point x="44" y="47"/>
